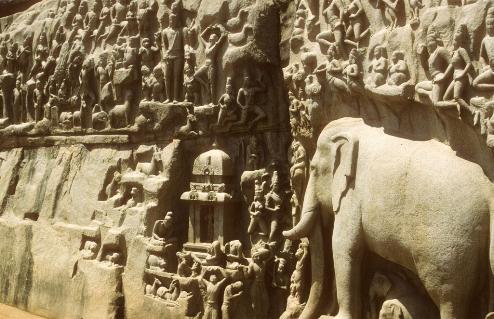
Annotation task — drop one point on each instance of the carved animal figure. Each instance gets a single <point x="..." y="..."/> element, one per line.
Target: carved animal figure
<point x="424" y="209"/>
<point x="152" y="168"/>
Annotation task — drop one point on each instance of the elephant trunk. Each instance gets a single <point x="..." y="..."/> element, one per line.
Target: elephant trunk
<point x="308" y="219"/>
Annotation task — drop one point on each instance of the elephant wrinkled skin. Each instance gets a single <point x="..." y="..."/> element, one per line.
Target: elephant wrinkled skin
<point x="414" y="203"/>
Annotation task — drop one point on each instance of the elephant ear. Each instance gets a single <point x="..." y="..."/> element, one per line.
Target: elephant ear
<point x="344" y="158"/>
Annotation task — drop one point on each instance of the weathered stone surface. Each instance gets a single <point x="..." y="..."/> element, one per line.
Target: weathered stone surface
<point x="247" y="159"/>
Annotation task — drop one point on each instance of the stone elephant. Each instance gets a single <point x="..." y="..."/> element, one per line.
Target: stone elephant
<point x="414" y="203"/>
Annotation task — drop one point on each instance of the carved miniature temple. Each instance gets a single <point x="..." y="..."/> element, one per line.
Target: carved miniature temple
<point x="213" y="211"/>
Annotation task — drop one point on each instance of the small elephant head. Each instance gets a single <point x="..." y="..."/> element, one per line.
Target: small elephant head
<point x="391" y="309"/>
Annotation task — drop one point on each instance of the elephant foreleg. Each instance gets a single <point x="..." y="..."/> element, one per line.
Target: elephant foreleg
<point x="347" y="256"/>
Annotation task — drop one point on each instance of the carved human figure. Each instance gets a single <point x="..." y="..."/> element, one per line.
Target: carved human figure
<point x="398" y="70"/>
<point x="246" y="99"/>
<point x="118" y="14"/>
<point x="70" y="12"/>
<point x="438" y="61"/>
<point x="147" y="53"/>
<point x="235" y="255"/>
<point x="130" y="27"/>
<point x="206" y="74"/>
<point x="146" y="83"/>
<point x="357" y="24"/>
<point x="485" y="80"/>
<point x="216" y="256"/>
<point x="353" y="72"/>
<point x="39" y="98"/>
<point x="232" y="291"/>
<point x="213" y="293"/>
<point x="334" y="70"/>
<point x="173" y="57"/>
<point x="158" y="85"/>
<point x="258" y="291"/>
<point x="191" y="85"/>
<point x="378" y="68"/>
<point x="163" y="231"/>
<point x="254" y="154"/>
<point x="104" y="22"/>
<point x="256" y="211"/>
<point x="24" y="56"/>
<point x="312" y="93"/>
<point x="281" y="283"/>
<point x="226" y="102"/>
<point x="7" y="83"/>
<point x="487" y="44"/>
<point x="145" y="15"/>
<point x="298" y="33"/>
<point x="460" y="67"/>
<point x="18" y="102"/>
<point x="295" y="303"/>
<point x="185" y="262"/>
<point x="298" y="171"/>
<point x="390" y="7"/>
<point x="334" y="15"/>
<point x="273" y="205"/>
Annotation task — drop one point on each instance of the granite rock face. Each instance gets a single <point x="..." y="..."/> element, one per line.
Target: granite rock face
<point x="247" y="159"/>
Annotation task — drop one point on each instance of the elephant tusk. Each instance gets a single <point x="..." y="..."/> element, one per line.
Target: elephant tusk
<point x="304" y="226"/>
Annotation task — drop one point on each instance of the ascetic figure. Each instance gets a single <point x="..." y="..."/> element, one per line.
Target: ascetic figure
<point x="246" y="99"/>
<point x="206" y="75"/>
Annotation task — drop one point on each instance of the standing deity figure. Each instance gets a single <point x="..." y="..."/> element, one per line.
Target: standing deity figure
<point x="213" y="293"/>
<point x="173" y="56"/>
<point x="232" y="292"/>
<point x="256" y="211"/>
<point x="438" y="61"/>
<point x="206" y="75"/>
<point x="273" y="205"/>
<point x="226" y="114"/>
<point x="246" y="99"/>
